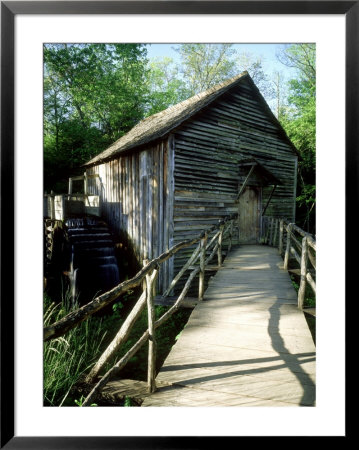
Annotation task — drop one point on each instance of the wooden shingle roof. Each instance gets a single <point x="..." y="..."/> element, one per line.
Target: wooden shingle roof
<point x="158" y="125"/>
<point x="162" y="123"/>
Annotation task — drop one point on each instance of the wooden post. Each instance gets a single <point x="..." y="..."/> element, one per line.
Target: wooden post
<point x="70" y="186"/>
<point x="280" y="243"/>
<point x="271" y="232"/>
<point x="230" y="236"/>
<point x="269" y="199"/>
<point x="202" y="267"/>
<point x="190" y="261"/>
<point x="151" y="372"/>
<point x="246" y="181"/>
<point x="275" y="233"/>
<point x="303" y="273"/>
<point x="52" y="205"/>
<point x="85" y="183"/>
<point x="266" y="238"/>
<point x="287" y="250"/>
<point x="220" y="238"/>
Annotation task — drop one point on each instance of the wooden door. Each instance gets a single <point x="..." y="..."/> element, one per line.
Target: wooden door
<point x="249" y="215"/>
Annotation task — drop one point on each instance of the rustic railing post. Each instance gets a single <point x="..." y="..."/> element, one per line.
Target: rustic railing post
<point x="266" y="238"/>
<point x="275" y="233"/>
<point x="303" y="273"/>
<point x="230" y="236"/>
<point x="152" y="345"/>
<point x="287" y="250"/>
<point x="280" y="243"/>
<point x="121" y="335"/>
<point x="220" y="239"/>
<point x="202" y="265"/>
<point x="271" y="231"/>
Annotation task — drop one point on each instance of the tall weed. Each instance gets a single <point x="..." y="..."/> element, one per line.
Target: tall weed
<point x="68" y="357"/>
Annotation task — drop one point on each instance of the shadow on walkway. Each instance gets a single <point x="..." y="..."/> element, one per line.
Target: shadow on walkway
<point x="290" y="360"/>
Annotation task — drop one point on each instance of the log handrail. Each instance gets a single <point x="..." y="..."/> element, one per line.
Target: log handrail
<point x="306" y="247"/>
<point x="134" y="349"/>
<point x="72" y="319"/>
<point x="146" y="276"/>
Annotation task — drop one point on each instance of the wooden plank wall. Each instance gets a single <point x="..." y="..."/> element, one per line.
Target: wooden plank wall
<point x="136" y="197"/>
<point x="208" y="149"/>
<point x="174" y="189"/>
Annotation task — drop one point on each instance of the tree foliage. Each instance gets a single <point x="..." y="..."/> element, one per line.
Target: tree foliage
<point x="253" y="65"/>
<point x="299" y="121"/>
<point x="201" y="67"/>
<point x="205" y="65"/>
<point x="166" y="87"/>
<point x="93" y="94"/>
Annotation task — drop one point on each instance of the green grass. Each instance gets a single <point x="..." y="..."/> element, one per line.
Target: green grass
<point x="68" y="357"/>
<point x="136" y="368"/>
<point x="309" y="297"/>
<point x="309" y="302"/>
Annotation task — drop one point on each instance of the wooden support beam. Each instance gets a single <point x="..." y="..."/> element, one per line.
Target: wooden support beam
<point x="85" y="184"/>
<point x="267" y="229"/>
<point x="245" y="181"/>
<point x="230" y="236"/>
<point x="271" y="231"/>
<point x="52" y="205"/>
<point x="70" y="186"/>
<point x="269" y="199"/>
<point x="275" y="233"/>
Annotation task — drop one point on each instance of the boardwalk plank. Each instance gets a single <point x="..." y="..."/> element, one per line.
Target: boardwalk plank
<point x="245" y="344"/>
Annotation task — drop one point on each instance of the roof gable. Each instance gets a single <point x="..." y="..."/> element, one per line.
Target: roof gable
<point x="160" y="124"/>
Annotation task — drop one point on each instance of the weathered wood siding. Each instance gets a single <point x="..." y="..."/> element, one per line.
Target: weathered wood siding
<point x="172" y="190"/>
<point x="208" y="151"/>
<point x="136" y="197"/>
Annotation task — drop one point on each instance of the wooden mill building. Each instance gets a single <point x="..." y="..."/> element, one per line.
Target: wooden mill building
<point x="179" y="171"/>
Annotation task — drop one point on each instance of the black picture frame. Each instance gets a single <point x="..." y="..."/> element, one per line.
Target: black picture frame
<point x="9" y="9"/>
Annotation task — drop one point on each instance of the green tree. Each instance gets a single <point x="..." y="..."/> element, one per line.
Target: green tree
<point x="299" y="122"/>
<point x="253" y="65"/>
<point x="93" y="94"/>
<point x="166" y="87"/>
<point x="280" y="96"/>
<point x="205" y="65"/>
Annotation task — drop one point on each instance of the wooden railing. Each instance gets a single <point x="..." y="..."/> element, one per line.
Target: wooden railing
<point x="295" y="243"/>
<point x="208" y="246"/>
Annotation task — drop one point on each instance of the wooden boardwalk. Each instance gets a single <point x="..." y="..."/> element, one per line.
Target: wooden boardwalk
<point x="246" y="344"/>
